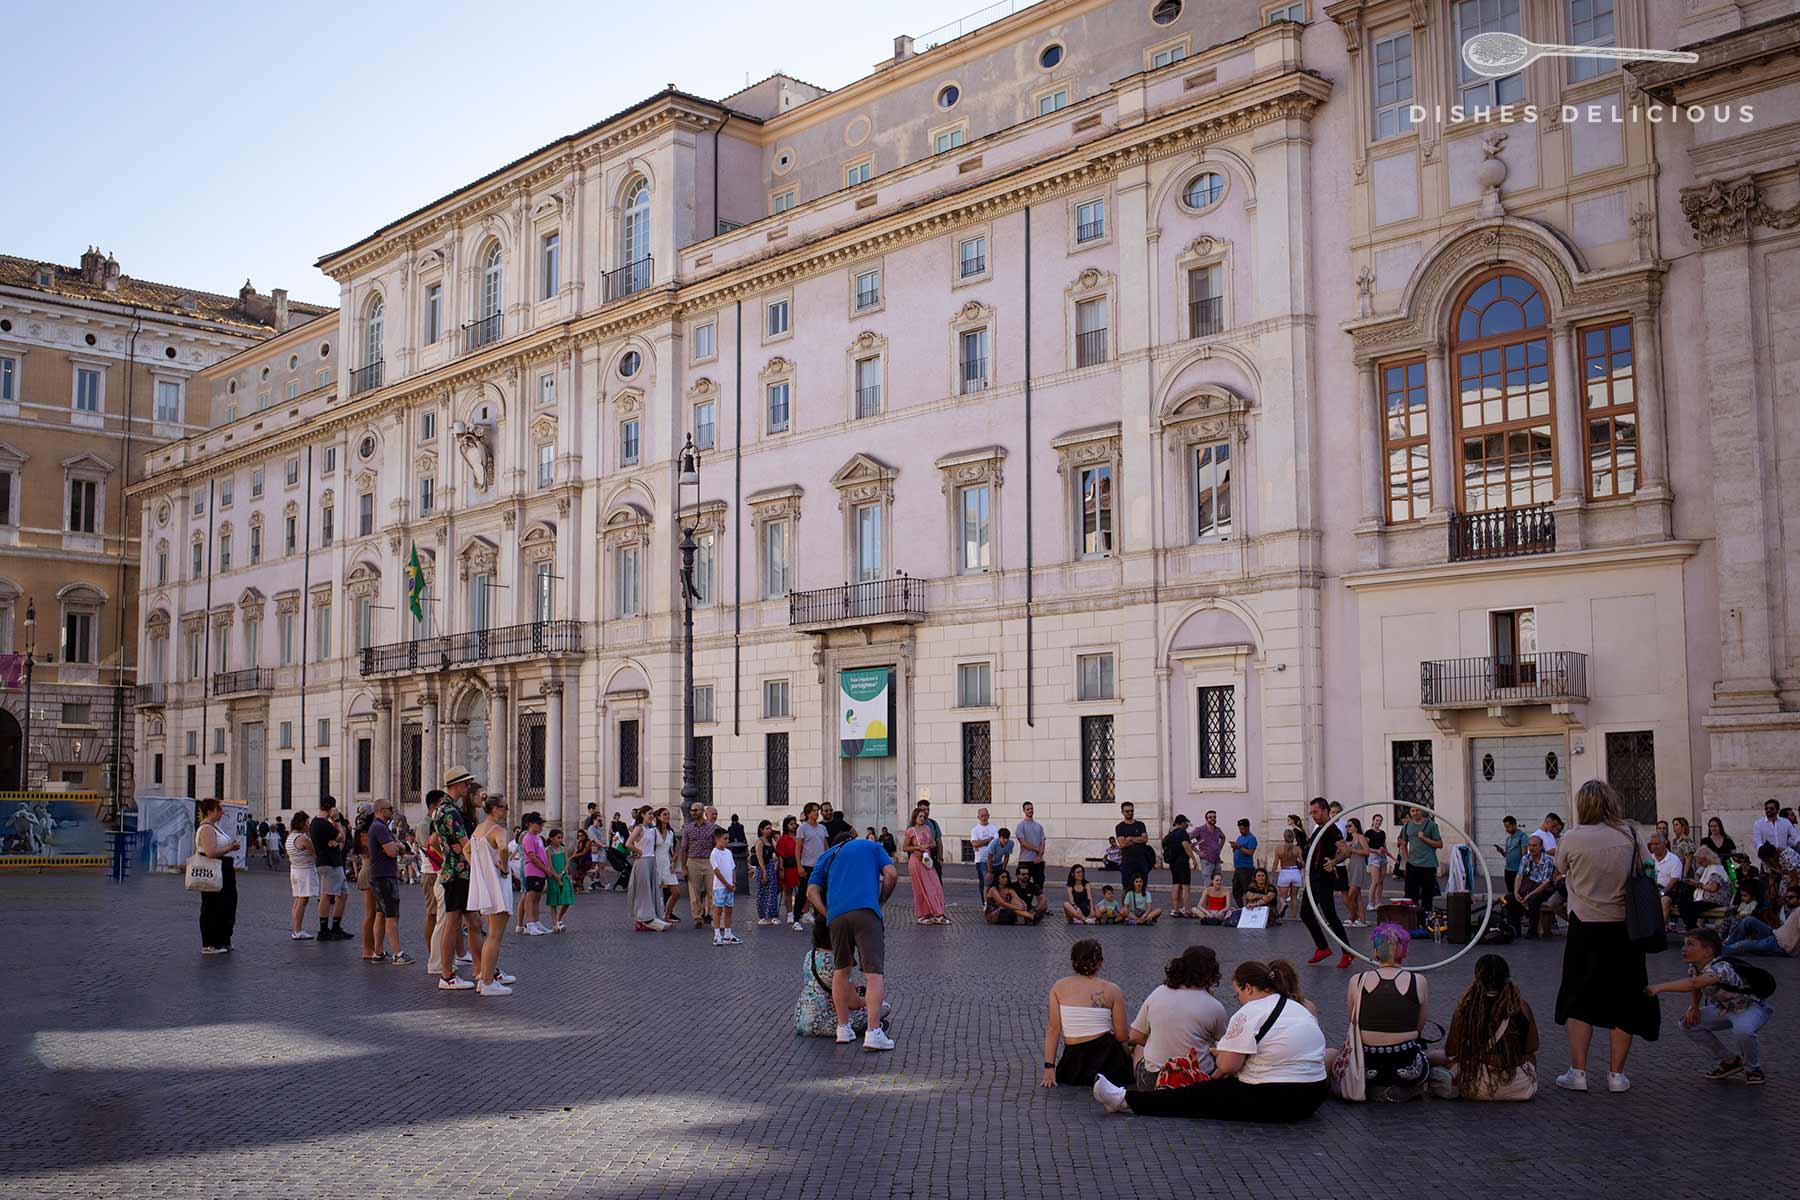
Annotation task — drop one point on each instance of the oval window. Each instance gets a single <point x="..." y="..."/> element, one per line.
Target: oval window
<point x="1050" y="56"/>
<point x="1204" y="190"/>
<point x="231" y="388"/>
<point x="630" y="364"/>
<point x="293" y="362"/>
<point x="1166" y="12"/>
<point x="948" y="95"/>
<point x="367" y="448"/>
<point x="324" y="349"/>
<point x="170" y="352"/>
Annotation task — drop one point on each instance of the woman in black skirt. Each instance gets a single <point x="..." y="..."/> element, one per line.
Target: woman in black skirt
<point x="218" y="910"/>
<point x="1603" y="973"/>
<point x="1087" y="1015"/>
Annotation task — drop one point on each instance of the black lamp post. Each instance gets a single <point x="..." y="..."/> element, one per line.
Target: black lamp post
<point x="687" y="494"/>
<point x="30" y="655"/>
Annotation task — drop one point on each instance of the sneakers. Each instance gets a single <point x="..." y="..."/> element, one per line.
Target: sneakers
<point x="658" y="926"/>
<point x="799" y="928"/>
<point x="455" y="983"/>
<point x="212" y="949"/>
<point x="300" y="935"/>
<point x="1318" y="957"/>
<point x="1616" y="1082"/>
<point x="493" y="989"/>
<point x="500" y="975"/>
<point x="465" y="960"/>
<point x="559" y="927"/>
<point x="732" y="939"/>
<point x="402" y="959"/>
<point x="1726" y="1070"/>
<point x="845" y="1035"/>
<point x="535" y="930"/>
<point x="1344" y="961"/>
<point x="718" y="938"/>
<point x="1110" y="1095"/>
<point x="877" y="1039"/>
<point x="1753" y="1075"/>
<point x="1574" y="1079"/>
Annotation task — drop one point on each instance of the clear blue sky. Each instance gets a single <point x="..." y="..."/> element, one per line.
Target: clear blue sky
<point x="205" y="142"/>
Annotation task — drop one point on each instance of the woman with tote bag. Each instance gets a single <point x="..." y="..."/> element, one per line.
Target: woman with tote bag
<point x="218" y="909"/>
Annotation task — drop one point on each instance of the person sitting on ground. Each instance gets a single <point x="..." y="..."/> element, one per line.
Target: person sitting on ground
<point x="1029" y="894"/>
<point x="1290" y="986"/>
<point x="1751" y="936"/>
<point x="1110" y="860"/>
<point x="1491" y="1050"/>
<point x="1079" y="907"/>
<point x="1710" y="888"/>
<point x="1107" y="911"/>
<point x="1384" y="1057"/>
<point x="1721" y="995"/>
<point x="1262" y="894"/>
<point x="813" y="1014"/>
<point x="1179" y="1022"/>
<point x="1269" y="1066"/>
<point x="1087" y="1015"/>
<point x="1215" y="902"/>
<point x="1004" y="905"/>
<point x="1138" y="908"/>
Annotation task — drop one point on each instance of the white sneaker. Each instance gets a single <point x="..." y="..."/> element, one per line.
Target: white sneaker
<point x="463" y="960"/>
<point x="493" y="989"/>
<point x="877" y="1039"/>
<point x="1574" y="1079"/>
<point x="300" y="935"/>
<point x="535" y="931"/>
<point x="659" y="926"/>
<point x="718" y="939"/>
<point x="1616" y="1082"/>
<point x="845" y="1035"/>
<point x="1110" y="1095"/>
<point x="455" y="983"/>
<point x="732" y="939"/>
<point x="799" y="928"/>
<point x="501" y="976"/>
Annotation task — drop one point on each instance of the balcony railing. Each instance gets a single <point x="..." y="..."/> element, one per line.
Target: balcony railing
<point x="867" y="298"/>
<point x="974" y="375"/>
<point x="1090" y="347"/>
<point x="152" y="694"/>
<point x="1503" y="533"/>
<point x="484" y="332"/>
<point x="535" y="640"/>
<point x="1087" y="231"/>
<point x="868" y="401"/>
<point x="1543" y="678"/>
<point x="251" y="679"/>
<point x="972" y="266"/>
<point x="365" y="379"/>
<point x="900" y="599"/>
<point x="629" y="279"/>
<point x="1206" y="316"/>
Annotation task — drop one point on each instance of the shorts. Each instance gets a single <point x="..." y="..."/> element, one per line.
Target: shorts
<point x="428" y="883"/>
<point x="386" y="890"/>
<point x="456" y="895"/>
<point x="724" y="898"/>
<point x="304" y="881"/>
<point x="858" y="937"/>
<point x="331" y="881"/>
<point x="1288" y="877"/>
<point x="534" y="883"/>
<point x="1181" y="871"/>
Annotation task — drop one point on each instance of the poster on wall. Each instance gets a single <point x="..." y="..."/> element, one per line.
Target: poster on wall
<point x="866" y="712"/>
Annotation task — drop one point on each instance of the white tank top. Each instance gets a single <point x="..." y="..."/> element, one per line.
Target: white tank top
<point x="298" y="858"/>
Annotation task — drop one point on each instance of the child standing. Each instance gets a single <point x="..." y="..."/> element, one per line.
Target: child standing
<point x="559" y="890"/>
<point x="724" y="889"/>
<point x="1723" y="994"/>
<point x="1107" y="911"/>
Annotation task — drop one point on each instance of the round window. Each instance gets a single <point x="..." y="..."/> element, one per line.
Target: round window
<point x="366" y="447"/>
<point x="1166" y="12"/>
<point x="324" y="349"/>
<point x="630" y="364"/>
<point x="170" y="352"/>
<point x="1050" y="56"/>
<point x="293" y="362"/>
<point x="1204" y="190"/>
<point x="89" y="339"/>
<point x="231" y="388"/>
<point x="265" y="373"/>
<point x="5" y="326"/>
<point x="948" y="95"/>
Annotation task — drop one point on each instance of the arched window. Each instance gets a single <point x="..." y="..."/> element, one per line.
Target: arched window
<point x="634" y="234"/>
<point x="373" y="332"/>
<point x="1505" y="448"/>
<point x="491" y="278"/>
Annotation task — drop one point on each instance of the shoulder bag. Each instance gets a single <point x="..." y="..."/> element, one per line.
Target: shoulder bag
<point x="1643" y="904"/>
<point x="1348" y="1074"/>
<point x="203" y="873"/>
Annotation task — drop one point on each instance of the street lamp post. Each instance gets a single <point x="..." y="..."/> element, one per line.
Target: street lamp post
<point x="687" y="488"/>
<point x="30" y="654"/>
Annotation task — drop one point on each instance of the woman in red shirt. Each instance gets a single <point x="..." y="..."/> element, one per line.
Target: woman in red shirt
<point x="787" y="854"/>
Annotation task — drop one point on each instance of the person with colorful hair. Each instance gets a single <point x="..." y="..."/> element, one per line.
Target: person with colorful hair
<point x="1384" y="1058"/>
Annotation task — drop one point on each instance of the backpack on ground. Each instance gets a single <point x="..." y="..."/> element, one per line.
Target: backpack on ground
<point x="1757" y="982"/>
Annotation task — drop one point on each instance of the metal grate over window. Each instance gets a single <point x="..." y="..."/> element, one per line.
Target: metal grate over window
<point x="977" y="762"/>
<point x="1631" y="768"/>
<point x="1218" y="733"/>
<point x="775" y="768"/>
<point x="1412" y="777"/>
<point x="1096" y="760"/>
<point x="532" y="752"/>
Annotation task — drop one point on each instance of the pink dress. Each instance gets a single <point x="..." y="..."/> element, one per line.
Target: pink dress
<point x="928" y="893"/>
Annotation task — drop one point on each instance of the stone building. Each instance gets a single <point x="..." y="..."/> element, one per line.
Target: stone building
<point x="1121" y="400"/>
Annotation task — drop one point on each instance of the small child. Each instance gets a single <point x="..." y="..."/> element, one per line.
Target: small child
<point x="724" y="889"/>
<point x="559" y="888"/>
<point x="1107" y="911"/>
<point x="1722" y="995"/>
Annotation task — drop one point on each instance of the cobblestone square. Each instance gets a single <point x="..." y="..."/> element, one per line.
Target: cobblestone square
<point x="635" y="1065"/>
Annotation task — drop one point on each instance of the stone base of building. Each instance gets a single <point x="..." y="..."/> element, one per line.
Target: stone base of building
<point x="1755" y="756"/>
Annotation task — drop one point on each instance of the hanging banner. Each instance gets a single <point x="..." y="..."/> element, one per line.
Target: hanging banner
<point x="865" y="712"/>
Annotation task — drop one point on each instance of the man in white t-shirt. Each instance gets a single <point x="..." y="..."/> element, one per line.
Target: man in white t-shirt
<point x="1547" y="831"/>
<point x="1668" y="870"/>
<point x="982" y="836"/>
<point x="1774" y="829"/>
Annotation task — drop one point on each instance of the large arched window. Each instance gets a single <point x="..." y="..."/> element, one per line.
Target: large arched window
<point x="1505" y="448"/>
<point x="634" y="233"/>
<point x="492" y="275"/>
<point x="374" y="331"/>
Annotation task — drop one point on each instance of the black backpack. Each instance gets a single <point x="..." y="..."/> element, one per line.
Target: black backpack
<point x="1757" y="982"/>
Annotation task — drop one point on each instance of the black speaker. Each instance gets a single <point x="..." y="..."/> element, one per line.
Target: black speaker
<point x="1458" y="923"/>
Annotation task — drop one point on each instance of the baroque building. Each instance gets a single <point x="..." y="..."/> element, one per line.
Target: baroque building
<point x="1126" y="399"/>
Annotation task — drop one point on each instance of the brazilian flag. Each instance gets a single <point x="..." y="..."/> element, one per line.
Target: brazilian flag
<point x="415" y="585"/>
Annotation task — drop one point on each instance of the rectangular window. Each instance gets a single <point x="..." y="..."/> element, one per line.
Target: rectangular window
<point x="551" y="257"/>
<point x="262" y="402"/>
<point x="625" y="580"/>
<point x="9" y="379"/>
<point x="293" y="471"/>
<point x="77" y="714"/>
<point x="227" y="492"/>
<point x="365" y="514"/>
<point x="1295" y="11"/>
<point x="287" y="783"/>
<point x="253" y="643"/>
<point x="293" y="389"/>
<point x="1216" y="753"/>
<point x="192" y="742"/>
<point x="703" y="704"/>
<point x="971" y="257"/>
<point x="365" y="764"/>
<point x="1608" y="379"/>
<point x="975" y="527"/>
<point x="860" y="172"/>
<point x="628" y="442"/>
<point x="1097" y="760"/>
<point x="162" y="567"/>
<point x="196" y="661"/>
<point x="705" y="425"/>
<point x="198" y="564"/>
<point x="704" y="343"/>
<point x="1513" y="638"/>
<point x="868" y="290"/>
<point x="775" y="560"/>
<point x="255" y="544"/>
<point x="775" y="768"/>
<point x="1212" y="491"/>
<point x="284" y="634"/>
<point x="705" y="560"/>
<point x="290" y="534"/>
<point x="256" y="483"/>
<point x="777" y="322"/>
<point x="218" y="741"/>
<point x="948" y="139"/>
<point x="1090" y="221"/>
<point x="224" y="552"/>
<point x="1094" y="486"/>
<point x="330" y="460"/>
<point x="543" y="592"/>
<point x="324" y="732"/>
<point x="1412" y="776"/>
<point x="628" y="754"/>
<point x="868" y="387"/>
<point x="428" y="425"/>
<point x="778" y="406"/>
<point x="1393" y="85"/>
<point x="546" y="465"/>
<point x="223" y="663"/>
<point x="481" y="603"/>
<point x="1474" y="17"/>
<point x="199" y="503"/>
<point x="363" y="633"/>
<point x="87" y="390"/>
<point x="1631" y="768"/>
<point x="1163" y="58"/>
<point x="977" y="763"/>
<point x="285" y="736"/>
<point x="434" y="313"/>
<point x="974" y="685"/>
<point x="231" y="413"/>
<point x="1406" y="440"/>
<point x="83" y="499"/>
<point x="156" y="768"/>
<point x="868" y="542"/>
<point x="324" y="776"/>
<point x="327" y="525"/>
<point x="1090" y="332"/>
<point x="1094" y="677"/>
<point x="972" y="361"/>
<point x="78" y="637"/>
<point x="427" y="493"/>
<point x="323" y="377"/>
<point x="322" y="615"/>
<point x="780" y="202"/>
<point x="546" y="390"/>
<point x="775" y="698"/>
<point x="168" y="401"/>
<point x="1591" y="23"/>
<point x="1053" y="101"/>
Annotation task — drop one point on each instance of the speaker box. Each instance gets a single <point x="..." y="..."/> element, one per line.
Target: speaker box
<point x="1459" y="925"/>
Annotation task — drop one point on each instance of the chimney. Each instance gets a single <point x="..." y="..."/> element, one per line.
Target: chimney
<point x="110" y="276"/>
<point x="903" y="47"/>
<point x="279" y="295"/>
<point x="246" y="295"/>
<point x="92" y="266"/>
<point x="254" y="306"/>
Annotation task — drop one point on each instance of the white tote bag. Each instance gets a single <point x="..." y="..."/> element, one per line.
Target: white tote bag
<point x="204" y="874"/>
<point x="1254" y="918"/>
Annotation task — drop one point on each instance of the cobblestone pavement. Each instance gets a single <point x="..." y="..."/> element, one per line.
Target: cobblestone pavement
<point x="636" y="1065"/>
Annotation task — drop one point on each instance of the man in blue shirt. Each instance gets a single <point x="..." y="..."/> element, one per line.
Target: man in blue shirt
<point x="1514" y="850"/>
<point x="1243" y="861"/>
<point x="848" y="886"/>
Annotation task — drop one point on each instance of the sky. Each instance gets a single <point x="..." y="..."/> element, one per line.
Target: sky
<point x="206" y="143"/>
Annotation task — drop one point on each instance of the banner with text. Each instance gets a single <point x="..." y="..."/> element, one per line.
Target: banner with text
<point x="865" y="712"/>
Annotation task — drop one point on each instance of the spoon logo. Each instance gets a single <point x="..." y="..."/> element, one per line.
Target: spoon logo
<point x="1494" y="55"/>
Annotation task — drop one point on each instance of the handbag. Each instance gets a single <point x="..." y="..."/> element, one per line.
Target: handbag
<point x="1348" y="1074"/>
<point x="1183" y="1070"/>
<point x="203" y="874"/>
<point x="1643" y="905"/>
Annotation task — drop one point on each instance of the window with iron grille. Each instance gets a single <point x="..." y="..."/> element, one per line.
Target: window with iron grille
<point x="703" y="778"/>
<point x="1412" y="777"/>
<point x="775" y="768"/>
<point x="977" y="763"/>
<point x="365" y="764"/>
<point x="1096" y="760"/>
<point x="287" y="783"/>
<point x="1631" y="768"/>
<point x="412" y="745"/>
<point x="532" y="733"/>
<point x="628" y="754"/>
<point x="1218" y="732"/>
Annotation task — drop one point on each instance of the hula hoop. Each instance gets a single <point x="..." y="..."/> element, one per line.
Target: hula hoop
<point x="1312" y="899"/>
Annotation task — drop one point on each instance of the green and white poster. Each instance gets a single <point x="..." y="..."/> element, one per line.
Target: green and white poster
<point x="865" y="712"/>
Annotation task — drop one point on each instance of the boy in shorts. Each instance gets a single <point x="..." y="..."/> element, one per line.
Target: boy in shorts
<point x="724" y="888"/>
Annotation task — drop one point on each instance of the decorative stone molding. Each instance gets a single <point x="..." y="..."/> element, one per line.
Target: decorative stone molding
<point x="627" y="526"/>
<point x="1084" y="446"/>
<point x="709" y="517"/>
<point x="291" y="509"/>
<point x="775" y="504"/>
<point x="539" y="543"/>
<point x="157" y="623"/>
<point x="1204" y="246"/>
<point x="868" y="342"/>
<point x="702" y="388"/>
<point x="365" y="481"/>
<point x="629" y="403"/>
<point x="1365" y="292"/>
<point x="1723" y="211"/>
<point x="862" y="480"/>
<point x="252" y="603"/>
<point x="477" y="454"/>
<point x="973" y="311"/>
<point x="395" y="541"/>
<point x="363" y="582"/>
<point x="563" y="506"/>
<point x="479" y="556"/>
<point x="1090" y="279"/>
<point x="426" y="463"/>
<point x="775" y="367"/>
<point x="968" y="467"/>
<point x="256" y="520"/>
<point x="328" y="499"/>
<point x="287" y="602"/>
<point x="544" y="429"/>
<point x="550" y="687"/>
<point x="196" y="622"/>
<point x="223" y="616"/>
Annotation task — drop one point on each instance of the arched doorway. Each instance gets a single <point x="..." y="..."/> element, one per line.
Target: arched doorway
<point x="12" y="749"/>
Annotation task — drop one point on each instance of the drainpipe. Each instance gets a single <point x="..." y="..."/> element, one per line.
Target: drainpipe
<point x="1030" y="506"/>
<point x="118" y="764"/>
<point x="717" y="130"/>
<point x="206" y="638"/>
<point x="737" y="530"/>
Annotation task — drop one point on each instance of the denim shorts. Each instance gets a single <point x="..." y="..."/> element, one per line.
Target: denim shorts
<point x="724" y="898"/>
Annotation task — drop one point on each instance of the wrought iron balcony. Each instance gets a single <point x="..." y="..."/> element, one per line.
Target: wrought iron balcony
<point x="1090" y="347"/>
<point x="1502" y="533"/>
<point x="152" y="695"/>
<point x="539" y="639"/>
<point x="1206" y="316"/>
<point x="366" y="379"/>
<point x="974" y="375"/>
<point x="1087" y="231"/>
<point x="628" y="280"/>
<point x="1550" y="677"/>
<point x="252" y="679"/>
<point x="868" y="401"/>
<point x="973" y="265"/>
<point x="896" y="601"/>
<point x="484" y="332"/>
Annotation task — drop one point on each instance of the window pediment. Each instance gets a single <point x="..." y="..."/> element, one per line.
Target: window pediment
<point x="479" y="556"/>
<point x="972" y="467"/>
<point x="1098" y="443"/>
<point x="863" y="479"/>
<point x="776" y="503"/>
<point x="251" y="602"/>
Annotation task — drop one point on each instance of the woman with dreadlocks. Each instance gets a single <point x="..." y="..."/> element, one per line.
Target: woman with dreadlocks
<point x="1491" y="1050"/>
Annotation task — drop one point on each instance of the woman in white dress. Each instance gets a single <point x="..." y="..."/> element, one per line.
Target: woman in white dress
<point x="643" y="898"/>
<point x="490" y="891"/>
<point x="667" y="881"/>
<point x="303" y="875"/>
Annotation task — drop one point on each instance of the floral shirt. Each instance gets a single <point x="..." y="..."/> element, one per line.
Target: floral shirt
<point x="1731" y="994"/>
<point x="1537" y="870"/>
<point x="447" y="823"/>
